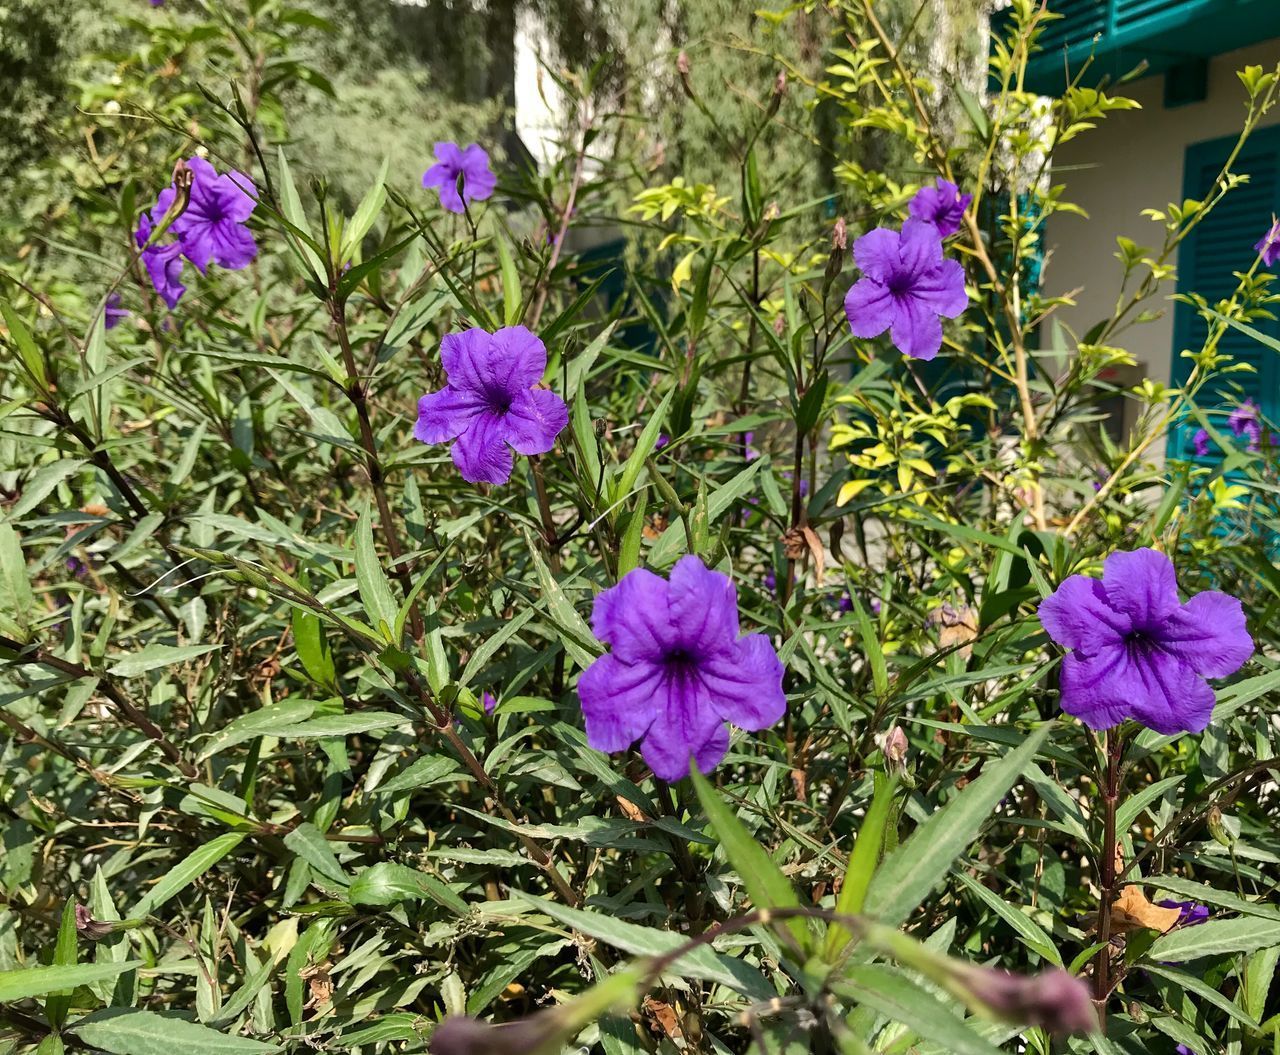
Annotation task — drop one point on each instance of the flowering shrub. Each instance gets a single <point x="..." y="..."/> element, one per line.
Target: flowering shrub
<point x="732" y="679"/>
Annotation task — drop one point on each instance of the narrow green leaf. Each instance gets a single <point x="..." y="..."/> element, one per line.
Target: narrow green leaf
<point x="131" y="1031"/>
<point x="644" y="447"/>
<point x="511" y="298"/>
<point x="36" y="981"/>
<point x="1215" y="938"/>
<point x="763" y="879"/>
<point x="1029" y="931"/>
<point x="154" y="656"/>
<point x="66" y="953"/>
<point x="862" y="863"/>
<point x="186" y="872"/>
<point x="375" y="591"/>
<point x="309" y="843"/>
<point x="893" y="994"/>
<point x="908" y="874"/>
<point x="366" y="214"/>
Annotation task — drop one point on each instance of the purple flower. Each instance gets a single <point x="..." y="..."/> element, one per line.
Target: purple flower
<point x="678" y="671"/>
<point x="1244" y="422"/>
<point x="489" y="702"/>
<point x="212" y="225"/>
<point x="1201" y="443"/>
<point x="1182" y="1049"/>
<point x="1054" y="999"/>
<point x="1189" y="913"/>
<point x="1269" y="247"/>
<point x="770" y="581"/>
<point x="113" y="314"/>
<point x="663" y="440"/>
<point x="943" y="206"/>
<point x="490" y="405"/>
<point x="457" y="170"/>
<point x="1137" y="651"/>
<point x="905" y="287"/>
<point x="845" y="604"/>
<point x="163" y="263"/>
<point x="748" y="438"/>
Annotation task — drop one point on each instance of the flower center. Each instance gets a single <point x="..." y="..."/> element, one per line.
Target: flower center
<point x="499" y="403"/>
<point x="1139" y="643"/>
<point x="900" y="282"/>
<point x="679" y="662"/>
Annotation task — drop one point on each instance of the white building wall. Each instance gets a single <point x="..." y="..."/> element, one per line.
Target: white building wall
<point x="1132" y="161"/>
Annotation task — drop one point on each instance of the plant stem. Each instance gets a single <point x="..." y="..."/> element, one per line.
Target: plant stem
<point x="1114" y="750"/>
<point x="137" y="718"/>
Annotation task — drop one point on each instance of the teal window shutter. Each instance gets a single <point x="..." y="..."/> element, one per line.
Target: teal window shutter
<point x="1221" y="244"/>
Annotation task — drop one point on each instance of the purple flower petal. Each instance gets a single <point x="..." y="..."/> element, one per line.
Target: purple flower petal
<point x="480" y="452"/>
<point x="1099" y="689"/>
<point x="916" y="330"/>
<point x="869" y="307"/>
<point x="920" y="248"/>
<point x="878" y="253"/>
<point x="1078" y="616"/>
<point x="943" y="206"/>
<point x="446" y="414"/>
<point x="619" y="701"/>
<point x="685" y="726"/>
<point x="745" y="684"/>
<point x="1141" y="584"/>
<point x="489" y="394"/>
<point x="1208" y="633"/>
<point x="1140" y="653"/>
<point x="472" y="164"/>
<point x="534" y="420"/>
<point x="633" y="617"/>
<point x="703" y="606"/>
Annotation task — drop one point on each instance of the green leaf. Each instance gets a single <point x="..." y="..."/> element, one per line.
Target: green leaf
<point x="36" y="981"/>
<point x="511" y="297"/>
<point x="421" y="773"/>
<point x="186" y="872"/>
<point x="862" y="863"/>
<point x="131" y="1031"/>
<point x="66" y="953"/>
<point x="312" y="646"/>
<point x="719" y="502"/>
<point x="266" y="721"/>
<point x="366" y="214"/>
<point x="28" y="352"/>
<point x="154" y="656"/>
<point x="761" y="876"/>
<point x="341" y="725"/>
<point x="309" y="843"/>
<point x="1215" y="938"/>
<point x="375" y="591"/>
<point x="893" y="994"/>
<point x="17" y="602"/>
<point x="910" y="873"/>
<point x="644" y="447"/>
<point x="701" y="962"/>
<point x="387" y="883"/>
<point x="41" y="483"/>
<point x="1195" y="985"/>
<point x="576" y="636"/>
<point x="1029" y="931"/>
<point x="302" y="241"/>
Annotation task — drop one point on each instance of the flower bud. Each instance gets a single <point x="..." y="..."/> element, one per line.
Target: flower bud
<point x="1055" y="999"/>
<point x="463" y="1035"/>
<point x="779" y="90"/>
<point x="839" y="236"/>
<point x="1218" y="829"/>
<point x="683" y="68"/>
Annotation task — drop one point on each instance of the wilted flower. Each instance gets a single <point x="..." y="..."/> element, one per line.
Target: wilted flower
<point x="1200" y="441"/>
<point x="1137" y="651"/>
<point x="943" y="206"/>
<point x="113" y="314"/>
<point x="893" y="745"/>
<point x="91" y="929"/>
<point x="490" y="405"/>
<point x="211" y="228"/>
<point x="1056" y="999"/>
<point x="460" y="175"/>
<point x="1269" y="247"/>
<point x="678" y="671"/>
<point x="906" y="287"/>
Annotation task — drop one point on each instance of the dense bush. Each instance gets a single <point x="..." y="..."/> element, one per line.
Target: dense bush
<point x="361" y="566"/>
